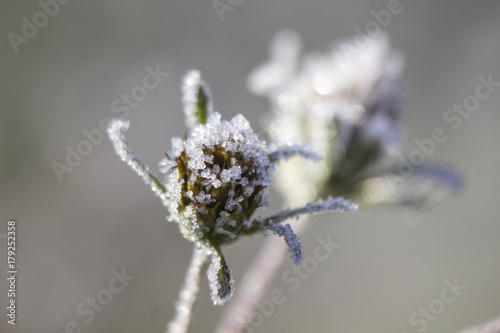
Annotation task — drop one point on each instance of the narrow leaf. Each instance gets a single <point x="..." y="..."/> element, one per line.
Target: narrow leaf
<point x="442" y="174"/>
<point x="321" y="206"/>
<point x="197" y="99"/>
<point x="219" y="278"/>
<point x="284" y="151"/>
<point x="291" y="239"/>
<point x="115" y="132"/>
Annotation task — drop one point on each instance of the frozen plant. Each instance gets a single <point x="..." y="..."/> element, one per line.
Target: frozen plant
<point x="347" y="104"/>
<point x="213" y="182"/>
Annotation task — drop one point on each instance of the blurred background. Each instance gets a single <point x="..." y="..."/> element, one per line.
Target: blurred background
<point x="97" y="215"/>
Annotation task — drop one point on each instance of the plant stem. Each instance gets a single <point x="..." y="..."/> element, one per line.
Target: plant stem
<point x="489" y="327"/>
<point x="189" y="293"/>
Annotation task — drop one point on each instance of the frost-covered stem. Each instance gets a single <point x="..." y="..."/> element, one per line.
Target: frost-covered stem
<point x="489" y="327"/>
<point x="257" y="281"/>
<point x="189" y="293"/>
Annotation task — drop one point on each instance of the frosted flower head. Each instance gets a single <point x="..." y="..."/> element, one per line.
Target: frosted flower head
<point x="216" y="178"/>
<point x="219" y="175"/>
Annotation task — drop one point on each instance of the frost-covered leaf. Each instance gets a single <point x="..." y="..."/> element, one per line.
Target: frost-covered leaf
<point x="291" y="239"/>
<point x="320" y="206"/>
<point x="115" y="132"/>
<point x="284" y="151"/>
<point x="219" y="279"/>
<point x="197" y="99"/>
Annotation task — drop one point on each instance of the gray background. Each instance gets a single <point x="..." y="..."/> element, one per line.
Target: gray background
<point x="101" y="216"/>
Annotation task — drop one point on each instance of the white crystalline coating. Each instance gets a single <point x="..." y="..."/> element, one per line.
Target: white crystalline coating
<point x="244" y="181"/>
<point x="177" y="146"/>
<point x="223" y="220"/>
<point x="208" y="158"/>
<point x="231" y="175"/>
<point x="227" y="233"/>
<point x="202" y="197"/>
<point x="320" y="206"/>
<point x="189" y="292"/>
<point x="225" y="176"/>
<point x="166" y="165"/>
<point x="191" y="83"/>
<point x="284" y="151"/>
<point x="216" y="183"/>
<point x="214" y="120"/>
<point x="249" y="190"/>
<point x="220" y="291"/>
<point x="242" y="125"/>
<point x="232" y="223"/>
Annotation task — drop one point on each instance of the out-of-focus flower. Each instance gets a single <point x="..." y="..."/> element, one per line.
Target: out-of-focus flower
<point x="347" y="104"/>
<point x="216" y="178"/>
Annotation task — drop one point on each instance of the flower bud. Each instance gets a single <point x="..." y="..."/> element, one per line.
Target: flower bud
<point x="216" y="179"/>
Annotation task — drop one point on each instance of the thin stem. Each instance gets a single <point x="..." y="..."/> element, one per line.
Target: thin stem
<point x="257" y="282"/>
<point x="489" y="327"/>
<point x="189" y="293"/>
